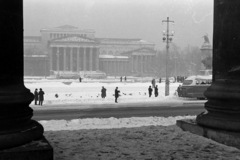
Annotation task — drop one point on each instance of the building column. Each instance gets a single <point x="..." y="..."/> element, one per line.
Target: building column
<point x="97" y="58"/>
<point x="132" y="64"/>
<point x="17" y="127"/>
<point x="84" y="58"/>
<point x="50" y="53"/>
<point x="64" y="58"/>
<point x="58" y="57"/>
<point x="137" y="62"/>
<point x="78" y="59"/>
<point x="71" y="59"/>
<point x="223" y="105"/>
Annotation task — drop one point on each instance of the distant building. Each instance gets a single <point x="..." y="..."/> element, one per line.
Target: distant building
<point x="67" y="48"/>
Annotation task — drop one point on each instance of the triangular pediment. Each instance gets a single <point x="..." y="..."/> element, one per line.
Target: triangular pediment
<point x="74" y="39"/>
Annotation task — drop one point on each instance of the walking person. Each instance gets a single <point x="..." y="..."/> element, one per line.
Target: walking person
<point x="156" y="91"/>
<point x="116" y="94"/>
<point x="160" y="80"/>
<point x="103" y="92"/>
<point x="36" y="96"/>
<point x="125" y="78"/>
<point x="150" y="91"/>
<point x="121" y="79"/>
<point x="80" y="79"/>
<point x="41" y="96"/>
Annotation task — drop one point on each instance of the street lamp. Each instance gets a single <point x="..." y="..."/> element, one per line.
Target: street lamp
<point x="167" y="39"/>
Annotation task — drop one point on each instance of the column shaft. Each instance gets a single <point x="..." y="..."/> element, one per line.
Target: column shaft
<point x="71" y="59"/>
<point x="64" y="58"/>
<point x="97" y="58"/>
<point x="91" y="59"/>
<point x="58" y="57"/>
<point x="78" y="59"/>
<point x="84" y="58"/>
<point x="223" y="105"/>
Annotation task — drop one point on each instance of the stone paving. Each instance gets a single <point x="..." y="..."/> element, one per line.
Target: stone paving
<point x="140" y="143"/>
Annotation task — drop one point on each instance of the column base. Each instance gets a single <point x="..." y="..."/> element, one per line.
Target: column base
<point x="35" y="150"/>
<point x="223" y="106"/>
<point x="20" y="136"/>
<point x="220" y="136"/>
<point x="219" y="121"/>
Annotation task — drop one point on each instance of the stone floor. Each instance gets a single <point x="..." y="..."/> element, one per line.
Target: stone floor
<point x="140" y="143"/>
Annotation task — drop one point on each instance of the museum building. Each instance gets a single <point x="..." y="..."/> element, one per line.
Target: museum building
<point x="68" y="48"/>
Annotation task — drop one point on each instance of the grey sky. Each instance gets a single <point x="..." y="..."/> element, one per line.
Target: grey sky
<point x="124" y="18"/>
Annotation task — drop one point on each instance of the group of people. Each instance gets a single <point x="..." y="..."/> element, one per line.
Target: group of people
<point x="38" y="96"/>
<point x="155" y="87"/>
<point x="121" y="78"/>
<point x="104" y="93"/>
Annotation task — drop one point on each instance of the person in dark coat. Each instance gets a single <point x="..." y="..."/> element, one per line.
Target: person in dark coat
<point x="80" y="79"/>
<point x="160" y="80"/>
<point x="120" y="79"/>
<point x="103" y="92"/>
<point x="156" y="91"/>
<point x="41" y="97"/>
<point x="125" y="78"/>
<point x="150" y="91"/>
<point x="116" y="94"/>
<point x="179" y="91"/>
<point x="36" y="96"/>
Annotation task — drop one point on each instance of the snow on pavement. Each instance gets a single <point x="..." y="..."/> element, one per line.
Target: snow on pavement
<point x="153" y="138"/>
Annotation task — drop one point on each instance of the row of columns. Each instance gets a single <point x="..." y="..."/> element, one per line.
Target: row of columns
<point x="88" y="60"/>
<point x="115" y="67"/>
<point x="142" y="63"/>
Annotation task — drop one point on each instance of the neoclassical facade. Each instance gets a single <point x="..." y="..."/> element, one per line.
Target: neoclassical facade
<point x="68" y="48"/>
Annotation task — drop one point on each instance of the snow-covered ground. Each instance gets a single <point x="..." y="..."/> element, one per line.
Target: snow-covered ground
<point x="73" y="92"/>
<point x="139" y="138"/>
<point x="155" y="138"/>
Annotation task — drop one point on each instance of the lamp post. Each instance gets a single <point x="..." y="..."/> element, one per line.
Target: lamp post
<point x="167" y="39"/>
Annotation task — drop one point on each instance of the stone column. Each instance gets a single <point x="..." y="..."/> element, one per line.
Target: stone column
<point x="97" y="58"/>
<point x="132" y="64"/>
<point x="84" y="58"/>
<point x="223" y="105"/>
<point x="50" y="53"/>
<point x="16" y="126"/>
<point x="78" y="59"/>
<point x="64" y="58"/>
<point x="137" y="62"/>
<point x="58" y="57"/>
<point x="71" y="59"/>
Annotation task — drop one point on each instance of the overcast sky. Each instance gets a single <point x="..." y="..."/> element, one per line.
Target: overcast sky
<point x="124" y="18"/>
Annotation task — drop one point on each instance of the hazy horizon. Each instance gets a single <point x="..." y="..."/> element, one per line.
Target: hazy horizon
<point x="125" y="18"/>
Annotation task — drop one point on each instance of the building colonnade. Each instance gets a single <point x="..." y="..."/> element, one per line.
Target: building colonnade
<point x="65" y="58"/>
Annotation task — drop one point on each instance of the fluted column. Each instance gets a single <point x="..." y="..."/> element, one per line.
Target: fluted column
<point x="97" y="58"/>
<point x="78" y="59"/>
<point x="71" y="59"/>
<point x="84" y="59"/>
<point x="91" y="59"/>
<point x="16" y="126"/>
<point x="223" y="105"/>
<point x="58" y="57"/>
<point x="50" y="53"/>
<point x="64" y="58"/>
<point x="132" y="63"/>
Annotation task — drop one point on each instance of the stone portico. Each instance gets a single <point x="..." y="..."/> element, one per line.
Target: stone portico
<point x="74" y="53"/>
